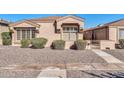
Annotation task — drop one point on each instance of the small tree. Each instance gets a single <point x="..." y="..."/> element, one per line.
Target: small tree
<point x="6" y="38"/>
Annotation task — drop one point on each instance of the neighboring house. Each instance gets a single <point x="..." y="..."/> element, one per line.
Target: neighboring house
<point x="110" y="31"/>
<point x="68" y="28"/>
<point x="4" y="27"/>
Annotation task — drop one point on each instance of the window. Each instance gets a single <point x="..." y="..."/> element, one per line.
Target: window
<point x="70" y="29"/>
<point x="75" y="29"/>
<point x="33" y="33"/>
<point x="23" y="34"/>
<point x="121" y="34"/>
<point x="28" y="34"/>
<point x="64" y="28"/>
<point x="18" y="35"/>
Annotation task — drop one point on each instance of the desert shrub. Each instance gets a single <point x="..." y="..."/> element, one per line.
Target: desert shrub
<point x="80" y="44"/>
<point x="6" y="38"/>
<point x="38" y="43"/>
<point x="58" y="44"/>
<point x="25" y="43"/>
<point x="121" y="42"/>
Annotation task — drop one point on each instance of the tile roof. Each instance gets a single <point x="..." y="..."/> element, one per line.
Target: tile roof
<point x="110" y="23"/>
<point x="27" y="21"/>
<point x="4" y="21"/>
<point x="94" y="28"/>
<point x="114" y="23"/>
<point x="46" y="19"/>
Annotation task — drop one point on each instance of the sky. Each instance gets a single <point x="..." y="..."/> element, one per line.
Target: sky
<point x="91" y="20"/>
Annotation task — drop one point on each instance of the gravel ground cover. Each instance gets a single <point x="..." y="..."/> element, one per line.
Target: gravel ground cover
<point x="15" y="55"/>
<point x="16" y="62"/>
<point x="19" y="73"/>
<point x="118" y="53"/>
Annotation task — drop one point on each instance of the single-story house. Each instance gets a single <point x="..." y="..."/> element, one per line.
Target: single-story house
<point x="68" y="28"/>
<point x="112" y="31"/>
<point x="4" y="27"/>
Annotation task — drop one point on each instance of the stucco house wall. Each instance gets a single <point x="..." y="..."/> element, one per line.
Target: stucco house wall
<point x="113" y="34"/>
<point x="47" y="27"/>
<point x="47" y="30"/>
<point x="71" y="20"/>
<point x="112" y="31"/>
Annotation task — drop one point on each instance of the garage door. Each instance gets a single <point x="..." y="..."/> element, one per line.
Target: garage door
<point x="121" y="34"/>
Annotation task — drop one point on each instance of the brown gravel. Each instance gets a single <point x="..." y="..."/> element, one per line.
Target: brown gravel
<point x="15" y="55"/>
<point x="27" y="63"/>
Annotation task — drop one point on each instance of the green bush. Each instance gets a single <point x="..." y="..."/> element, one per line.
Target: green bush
<point x="121" y="42"/>
<point x="80" y="44"/>
<point x="58" y="44"/>
<point x="6" y="38"/>
<point x="38" y="43"/>
<point x="25" y="43"/>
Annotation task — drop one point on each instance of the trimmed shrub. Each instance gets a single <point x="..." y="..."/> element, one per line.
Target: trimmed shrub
<point x="121" y="42"/>
<point x="58" y="44"/>
<point x="80" y="44"/>
<point x="25" y="43"/>
<point x="38" y="43"/>
<point x="6" y="38"/>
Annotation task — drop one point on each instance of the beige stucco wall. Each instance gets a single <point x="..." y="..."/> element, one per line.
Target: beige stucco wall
<point x="107" y="44"/>
<point x="70" y="20"/>
<point x="47" y="30"/>
<point x="3" y="29"/>
<point x="80" y="36"/>
<point x="114" y="33"/>
<point x="14" y="37"/>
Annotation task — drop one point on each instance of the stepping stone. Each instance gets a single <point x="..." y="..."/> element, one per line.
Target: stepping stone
<point x="52" y="72"/>
<point x="107" y="57"/>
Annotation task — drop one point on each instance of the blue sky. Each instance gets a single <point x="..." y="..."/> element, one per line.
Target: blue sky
<point x="91" y="20"/>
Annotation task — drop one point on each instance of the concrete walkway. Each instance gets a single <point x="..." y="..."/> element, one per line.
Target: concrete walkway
<point x="107" y="57"/>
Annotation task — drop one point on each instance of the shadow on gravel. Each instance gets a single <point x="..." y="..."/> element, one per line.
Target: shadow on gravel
<point x="105" y="74"/>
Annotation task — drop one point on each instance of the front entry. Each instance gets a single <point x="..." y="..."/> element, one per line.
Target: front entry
<point x="70" y="33"/>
